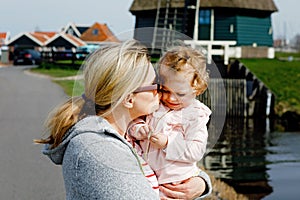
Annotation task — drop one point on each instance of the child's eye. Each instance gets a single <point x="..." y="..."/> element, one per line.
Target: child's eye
<point x="181" y="95"/>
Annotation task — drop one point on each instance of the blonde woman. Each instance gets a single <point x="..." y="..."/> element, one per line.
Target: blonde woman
<point x="87" y="132"/>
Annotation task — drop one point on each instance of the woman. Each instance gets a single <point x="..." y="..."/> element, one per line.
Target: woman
<point x="87" y="132"/>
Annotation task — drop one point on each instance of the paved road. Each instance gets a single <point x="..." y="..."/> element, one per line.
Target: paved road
<point x="25" y="100"/>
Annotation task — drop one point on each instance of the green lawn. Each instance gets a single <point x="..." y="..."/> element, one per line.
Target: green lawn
<point x="56" y="72"/>
<point x="281" y="77"/>
<point x="71" y="87"/>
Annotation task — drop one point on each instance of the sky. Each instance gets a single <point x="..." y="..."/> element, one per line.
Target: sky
<point x="17" y="16"/>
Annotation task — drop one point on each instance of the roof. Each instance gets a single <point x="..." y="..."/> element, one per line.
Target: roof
<point x="263" y="5"/>
<point x="36" y="38"/>
<point x="98" y="33"/>
<point x="70" y="38"/>
<point x="4" y="37"/>
<point x="48" y="34"/>
<point x="40" y="38"/>
<point x="78" y="29"/>
<point x="43" y="36"/>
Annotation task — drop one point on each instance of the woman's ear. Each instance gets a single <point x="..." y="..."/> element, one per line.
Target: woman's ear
<point x="128" y="101"/>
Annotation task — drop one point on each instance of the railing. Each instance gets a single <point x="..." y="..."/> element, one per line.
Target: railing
<point x="226" y="97"/>
<point x="222" y="48"/>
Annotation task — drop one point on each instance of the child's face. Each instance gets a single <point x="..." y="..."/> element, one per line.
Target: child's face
<point x="177" y="92"/>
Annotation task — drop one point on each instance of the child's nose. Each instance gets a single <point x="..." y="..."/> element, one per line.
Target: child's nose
<point x="173" y="97"/>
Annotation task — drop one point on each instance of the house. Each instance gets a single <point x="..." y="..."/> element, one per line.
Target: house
<point x="93" y="34"/>
<point x="64" y="41"/>
<point x="31" y="40"/>
<point x="4" y="37"/>
<point x="248" y="23"/>
<point x="72" y="36"/>
<point x="98" y="33"/>
<point x="75" y="29"/>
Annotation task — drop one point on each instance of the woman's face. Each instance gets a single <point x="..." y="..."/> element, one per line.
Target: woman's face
<point x="147" y="97"/>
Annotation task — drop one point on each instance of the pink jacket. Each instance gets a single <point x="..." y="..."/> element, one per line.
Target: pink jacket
<point x="187" y="138"/>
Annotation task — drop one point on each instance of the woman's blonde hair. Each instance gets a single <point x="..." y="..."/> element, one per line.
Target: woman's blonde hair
<point x="110" y="75"/>
<point x="186" y="58"/>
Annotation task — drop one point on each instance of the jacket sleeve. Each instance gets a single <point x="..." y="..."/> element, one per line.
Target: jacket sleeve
<point x="207" y="180"/>
<point x="104" y="169"/>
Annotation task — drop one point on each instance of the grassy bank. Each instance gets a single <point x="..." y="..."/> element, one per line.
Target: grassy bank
<point x="282" y="78"/>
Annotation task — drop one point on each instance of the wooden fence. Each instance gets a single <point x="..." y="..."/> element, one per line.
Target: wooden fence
<point x="66" y="55"/>
<point x="226" y="96"/>
<point x="238" y="98"/>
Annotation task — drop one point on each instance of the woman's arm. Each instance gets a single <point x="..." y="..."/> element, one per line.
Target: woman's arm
<point x="195" y="187"/>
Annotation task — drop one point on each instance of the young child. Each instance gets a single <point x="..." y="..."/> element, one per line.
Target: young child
<point x="174" y="138"/>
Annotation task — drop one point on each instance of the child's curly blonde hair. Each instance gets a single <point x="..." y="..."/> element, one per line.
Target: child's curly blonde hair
<point x="186" y="58"/>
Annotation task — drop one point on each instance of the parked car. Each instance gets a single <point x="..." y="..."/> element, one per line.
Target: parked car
<point x="27" y="57"/>
<point x="83" y="51"/>
<point x="66" y="54"/>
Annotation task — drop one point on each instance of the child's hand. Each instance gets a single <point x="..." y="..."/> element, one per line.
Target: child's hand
<point x="143" y="132"/>
<point x="159" y="140"/>
<point x="140" y="131"/>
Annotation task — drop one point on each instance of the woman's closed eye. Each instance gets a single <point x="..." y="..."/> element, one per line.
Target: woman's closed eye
<point x="165" y="91"/>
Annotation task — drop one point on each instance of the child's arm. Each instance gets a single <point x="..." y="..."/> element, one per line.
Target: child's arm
<point x="189" y="146"/>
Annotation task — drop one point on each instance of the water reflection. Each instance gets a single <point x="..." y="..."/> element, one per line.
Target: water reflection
<point x="283" y="165"/>
<point x="239" y="156"/>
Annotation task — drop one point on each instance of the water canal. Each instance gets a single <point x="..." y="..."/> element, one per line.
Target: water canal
<point x="256" y="160"/>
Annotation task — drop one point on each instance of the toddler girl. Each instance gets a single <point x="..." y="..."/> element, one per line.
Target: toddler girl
<point x="174" y="138"/>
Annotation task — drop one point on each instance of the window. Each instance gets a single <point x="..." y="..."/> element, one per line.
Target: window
<point x="204" y="17"/>
<point x="70" y="31"/>
<point x="231" y="28"/>
<point x="95" y="31"/>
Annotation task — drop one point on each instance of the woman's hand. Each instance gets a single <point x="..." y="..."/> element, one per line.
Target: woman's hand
<point x="188" y="189"/>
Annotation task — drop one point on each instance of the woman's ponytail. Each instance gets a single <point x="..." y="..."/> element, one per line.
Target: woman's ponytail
<point x="61" y="120"/>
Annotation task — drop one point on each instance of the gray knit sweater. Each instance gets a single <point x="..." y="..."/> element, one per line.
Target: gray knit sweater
<point x="98" y="163"/>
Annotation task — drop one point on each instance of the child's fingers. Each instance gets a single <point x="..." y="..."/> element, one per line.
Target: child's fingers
<point x="144" y="131"/>
<point x="159" y="140"/>
<point x="151" y="129"/>
<point x="140" y="132"/>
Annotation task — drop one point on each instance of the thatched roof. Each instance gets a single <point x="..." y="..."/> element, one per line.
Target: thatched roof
<point x="263" y="5"/>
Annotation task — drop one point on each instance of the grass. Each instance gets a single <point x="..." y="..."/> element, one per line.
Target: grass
<point x="70" y="87"/>
<point x="69" y="62"/>
<point x="56" y="72"/>
<point x="281" y="77"/>
<point x="286" y="55"/>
